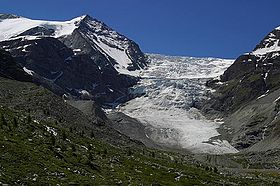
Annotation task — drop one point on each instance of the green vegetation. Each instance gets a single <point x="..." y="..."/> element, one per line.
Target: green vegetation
<point x="237" y="92"/>
<point x="45" y="141"/>
<point x="228" y="87"/>
<point x="273" y="81"/>
<point x="39" y="152"/>
<point x="255" y="77"/>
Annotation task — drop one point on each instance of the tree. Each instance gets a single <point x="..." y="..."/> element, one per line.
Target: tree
<point x="73" y="147"/>
<point x="92" y="134"/>
<point x="3" y="120"/>
<point x="89" y="147"/>
<point x="82" y="133"/>
<point x="52" y="140"/>
<point x="63" y="147"/>
<point x="15" y="123"/>
<point x="90" y="157"/>
<point x="29" y="119"/>
<point x="129" y="153"/>
<point x="215" y="170"/>
<point x="64" y="135"/>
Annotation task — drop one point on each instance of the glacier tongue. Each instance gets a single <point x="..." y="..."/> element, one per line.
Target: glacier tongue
<point x="171" y="86"/>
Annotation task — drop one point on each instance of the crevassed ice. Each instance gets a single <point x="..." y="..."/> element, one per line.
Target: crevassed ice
<point x="172" y="84"/>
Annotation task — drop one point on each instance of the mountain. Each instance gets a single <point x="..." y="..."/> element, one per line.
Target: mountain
<point x="44" y="140"/>
<point x="54" y="143"/>
<point x="248" y="96"/>
<point x="48" y="139"/>
<point x="10" y="69"/>
<point x="82" y="58"/>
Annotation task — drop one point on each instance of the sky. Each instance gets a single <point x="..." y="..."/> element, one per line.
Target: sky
<point x="198" y="28"/>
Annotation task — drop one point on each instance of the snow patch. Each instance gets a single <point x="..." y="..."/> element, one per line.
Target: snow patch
<point x="265" y="94"/>
<point x="51" y="130"/>
<point x="118" y="54"/>
<point x="84" y="92"/>
<point x="277" y="99"/>
<point x="266" y="50"/>
<point x="30" y="72"/>
<point x="13" y="27"/>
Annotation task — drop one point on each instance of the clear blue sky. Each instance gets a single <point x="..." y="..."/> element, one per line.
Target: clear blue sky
<point x="218" y="28"/>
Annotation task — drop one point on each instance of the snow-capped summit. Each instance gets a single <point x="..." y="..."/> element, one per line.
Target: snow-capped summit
<point x="14" y="27"/>
<point x="126" y="55"/>
<point x="75" y="56"/>
<point x="270" y="44"/>
<point x="248" y="95"/>
<point x="262" y="60"/>
<point x="122" y="52"/>
<point x="8" y="16"/>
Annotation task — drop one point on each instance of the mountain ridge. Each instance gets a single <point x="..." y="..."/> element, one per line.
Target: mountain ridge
<point x="57" y="29"/>
<point x="247" y="97"/>
<point x="82" y="58"/>
<point x="55" y="143"/>
<point x="67" y="139"/>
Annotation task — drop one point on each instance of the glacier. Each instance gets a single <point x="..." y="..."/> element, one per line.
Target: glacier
<point x="170" y="86"/>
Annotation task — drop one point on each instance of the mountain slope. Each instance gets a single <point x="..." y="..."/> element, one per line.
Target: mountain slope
<point x="43" y="140"/>
<point x="82" y="58"/>
<point x="248" y="94"/>
<point x="10" y="69"/>
<point x="39" y="152"/>
<point x="119" y="50"/>
<point x="126" y="55"/>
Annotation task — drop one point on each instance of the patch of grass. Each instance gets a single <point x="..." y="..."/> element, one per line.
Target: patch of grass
<point x="40" y="152"/>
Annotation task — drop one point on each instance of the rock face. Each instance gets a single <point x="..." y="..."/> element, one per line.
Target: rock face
<point x="253" y="74"/>
<point x="93" y="36"/>
<point x="248" y="94"/>
<point x="8" y="16"/>
<point x="82" y="58"/>
<point x="10" y="69"/>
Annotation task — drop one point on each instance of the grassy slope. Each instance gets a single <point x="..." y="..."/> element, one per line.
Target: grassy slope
<point x="43" y="140"/>
<point x="32" y="154"/>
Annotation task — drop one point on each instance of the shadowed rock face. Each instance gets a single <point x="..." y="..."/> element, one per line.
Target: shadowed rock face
<point x="75" y="64"/>
<point x="38" y="31"/>
<point x="10" y="69"/>
<point x="251" y="75"/>
<point x="8" y="16"/>
<point x="59" y="69"/>
<point x="85" y="37"/>
<point x="43" y="104"/>
<point x="247" y="95"/>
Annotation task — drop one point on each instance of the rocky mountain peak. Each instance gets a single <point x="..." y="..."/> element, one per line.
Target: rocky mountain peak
<point x="10" y="69"/>
<point x="8" y="16"/>
<point x="270" y="44"/>
<point x="94" y="24"/>
<point x="82" y="57"/>
<point x="248" y="96"/>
